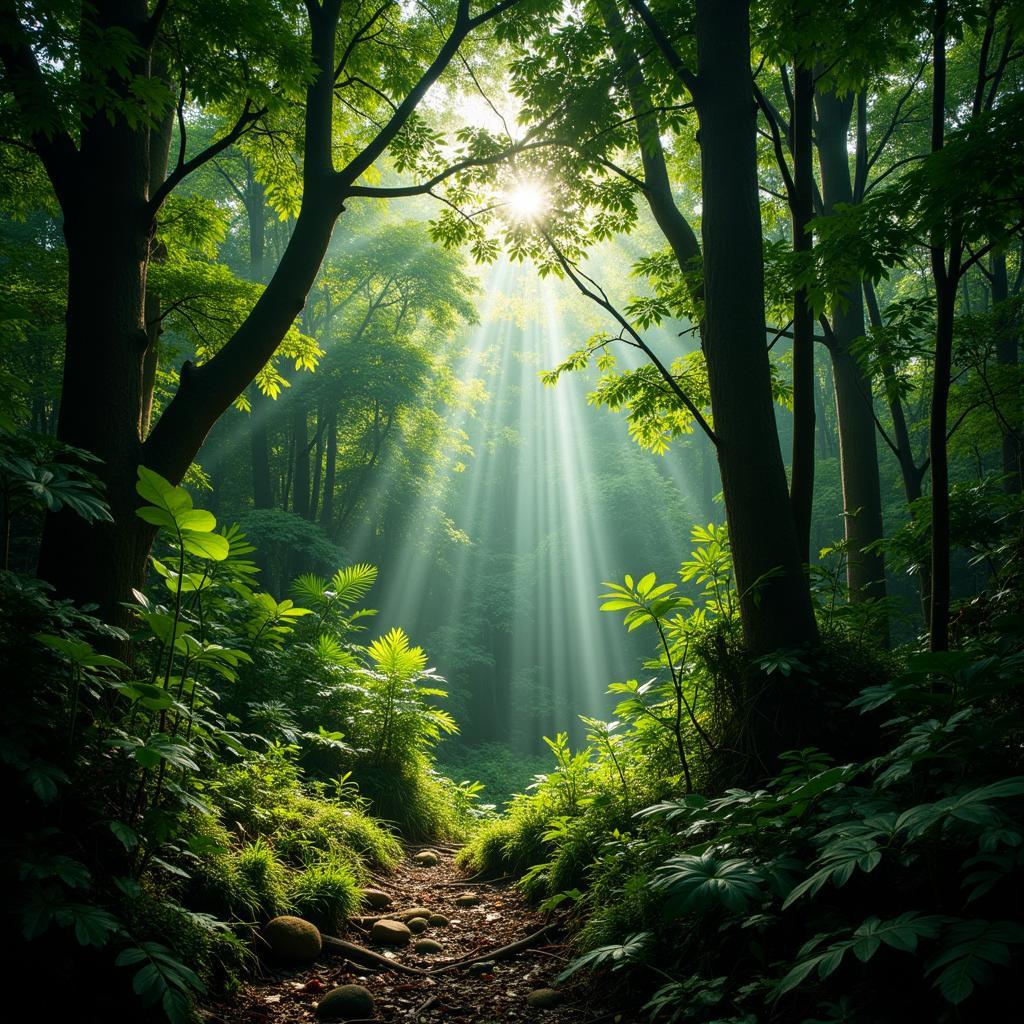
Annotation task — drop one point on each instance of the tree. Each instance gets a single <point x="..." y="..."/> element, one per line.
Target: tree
<point x="94" y="121"/>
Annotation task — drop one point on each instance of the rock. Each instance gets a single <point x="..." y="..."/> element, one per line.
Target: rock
<point x="390" y="933"/>
<point x="469" y="899"/>
<point x="544" y="998"/>
<point x="438" y="921"/>
<point x="347" y="1002"/>
<point x="427" y="859"/>
<point x="417" y="925"/>
<point x="375" y="899"/>
<point x="408" y="915"/>
<point x="292" y="940"/>
<point x="425" y="946"/>
<point x="481" y="967"/>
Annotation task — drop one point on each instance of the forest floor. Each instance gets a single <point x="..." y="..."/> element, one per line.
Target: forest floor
<point x="475" y="977"/>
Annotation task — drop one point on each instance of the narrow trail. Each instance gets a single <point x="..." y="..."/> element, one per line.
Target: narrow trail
<point x="483" y="972"/>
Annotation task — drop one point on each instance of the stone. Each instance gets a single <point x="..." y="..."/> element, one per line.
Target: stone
<point x="468" y="899"/>
<point x="481" y="967"/>
<point x="544" y="999"/>
<point x="292" y="940"/>
<point x="347" y="1002"/>
<point x="427" y="859"/>
<point x="390" y="933"/>
<point x="438" y="921"/>
<point x="408" y="915"/>
<point x="417" y="925"/>
<point x="376" y="899"/>
<point x="425" y="946"/>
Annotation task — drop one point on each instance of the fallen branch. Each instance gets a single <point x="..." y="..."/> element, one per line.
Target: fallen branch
<point x="426" y="1005"/>
<point x="501" y="953"/>
<point x="366" y="957"/>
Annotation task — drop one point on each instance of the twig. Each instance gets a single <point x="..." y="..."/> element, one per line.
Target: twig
<point x="424" y="1006"/>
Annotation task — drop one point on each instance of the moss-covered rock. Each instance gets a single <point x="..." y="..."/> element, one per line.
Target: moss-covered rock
<point x="347" y="1002"/>
<point x="376" y="899"/>
<point x="291" y="940"/>
<point x="390" y="933"/>
<point x="469" y="899"/>
<point x="408" y="915"/>
<point x="427" y="946"/>
<point x="427" y="859"/>
<point x="438" y="921"/>
<point x="417" y="925"/>
<point x="544" y="999"/>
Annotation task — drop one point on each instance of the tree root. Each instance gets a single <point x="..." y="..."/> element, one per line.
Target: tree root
<point x="367" y="957"/>
<point x="501" y="953"/>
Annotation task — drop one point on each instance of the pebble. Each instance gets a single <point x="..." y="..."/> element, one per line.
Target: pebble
<point x="427" y="859"/>
<point x="417" y="925"/>
<point x="438" y="921"/>
<point x="427" y="946"/>
<point x="408" y="915"/>
<point x="482" y="967"/>
<point x="390" y="933"/>
<point x="469" y="899"/>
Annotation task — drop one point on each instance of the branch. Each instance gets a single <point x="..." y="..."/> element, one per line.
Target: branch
<point x="425" y="187"/>
<point x="246" y="120"/>
<point x="668" y="51"/>
<point x="601" y="298"/>
<point x="359" y="37"/>
<point x="147" y="34"/>
<point x="780" y="156"/>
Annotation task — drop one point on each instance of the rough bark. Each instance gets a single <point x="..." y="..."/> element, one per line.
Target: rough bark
<point x="1007" y="356"/>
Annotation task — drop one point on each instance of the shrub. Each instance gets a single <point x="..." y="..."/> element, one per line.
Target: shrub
<point x="326" y="893"/>
<point x="262" y="881"/>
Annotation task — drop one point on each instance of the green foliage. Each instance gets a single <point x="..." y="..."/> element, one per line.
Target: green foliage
<point x="326" y="893"/>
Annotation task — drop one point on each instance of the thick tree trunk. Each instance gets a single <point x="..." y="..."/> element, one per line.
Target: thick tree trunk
<point x="858" y="452"/>
<point x="775" y="599"/>
<point x="801" y="203"/>
<point x="108" y="232"/>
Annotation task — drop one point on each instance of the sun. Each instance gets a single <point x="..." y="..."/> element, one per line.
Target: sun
<point x="526" y="199"/>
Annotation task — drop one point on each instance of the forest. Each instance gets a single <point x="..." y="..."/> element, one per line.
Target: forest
<point x="512" y="510"/>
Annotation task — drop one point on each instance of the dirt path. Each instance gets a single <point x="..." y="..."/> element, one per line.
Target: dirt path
<point x="495" y="991"/>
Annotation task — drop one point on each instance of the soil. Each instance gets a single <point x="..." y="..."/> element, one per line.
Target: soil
<point x="460" y="995"/>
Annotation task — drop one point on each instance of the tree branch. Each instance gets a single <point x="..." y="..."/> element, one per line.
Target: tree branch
<point x="246" y="120"/>
<point x="668" y="51"/>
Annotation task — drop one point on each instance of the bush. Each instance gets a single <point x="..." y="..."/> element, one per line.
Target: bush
<point x="326" y="893"/>
<point x="262" y="881"/>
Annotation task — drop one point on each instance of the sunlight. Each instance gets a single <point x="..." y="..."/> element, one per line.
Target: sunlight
<point x="527" y="200"/>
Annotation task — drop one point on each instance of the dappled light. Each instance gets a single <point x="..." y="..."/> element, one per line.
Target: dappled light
<point x="511" y="510"/>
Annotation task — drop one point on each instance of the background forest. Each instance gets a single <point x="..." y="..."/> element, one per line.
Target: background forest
<point x="586" y="433"/>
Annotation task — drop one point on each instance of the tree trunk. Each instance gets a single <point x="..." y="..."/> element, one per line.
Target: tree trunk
<point x="774" y="595"/>
<point x="330" y="470"/>
<point x="858" y="453"/>
<point x="1007" y="358"/>
<point x="300" y="453"/>
<point x="108" y="233"/>
<point x="259" y="450"/>
<point x="801" y="204"/>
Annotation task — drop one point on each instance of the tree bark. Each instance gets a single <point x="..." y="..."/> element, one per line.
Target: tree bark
<point x="801" y="204"/>
<point x="858" y="452"/>
<point x="330" y="470"/>
<point x="774" y="595"/>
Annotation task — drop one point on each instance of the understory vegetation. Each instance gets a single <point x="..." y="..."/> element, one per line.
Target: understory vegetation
<point x="878" y="878"/>
<point x="253" y="758"/>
